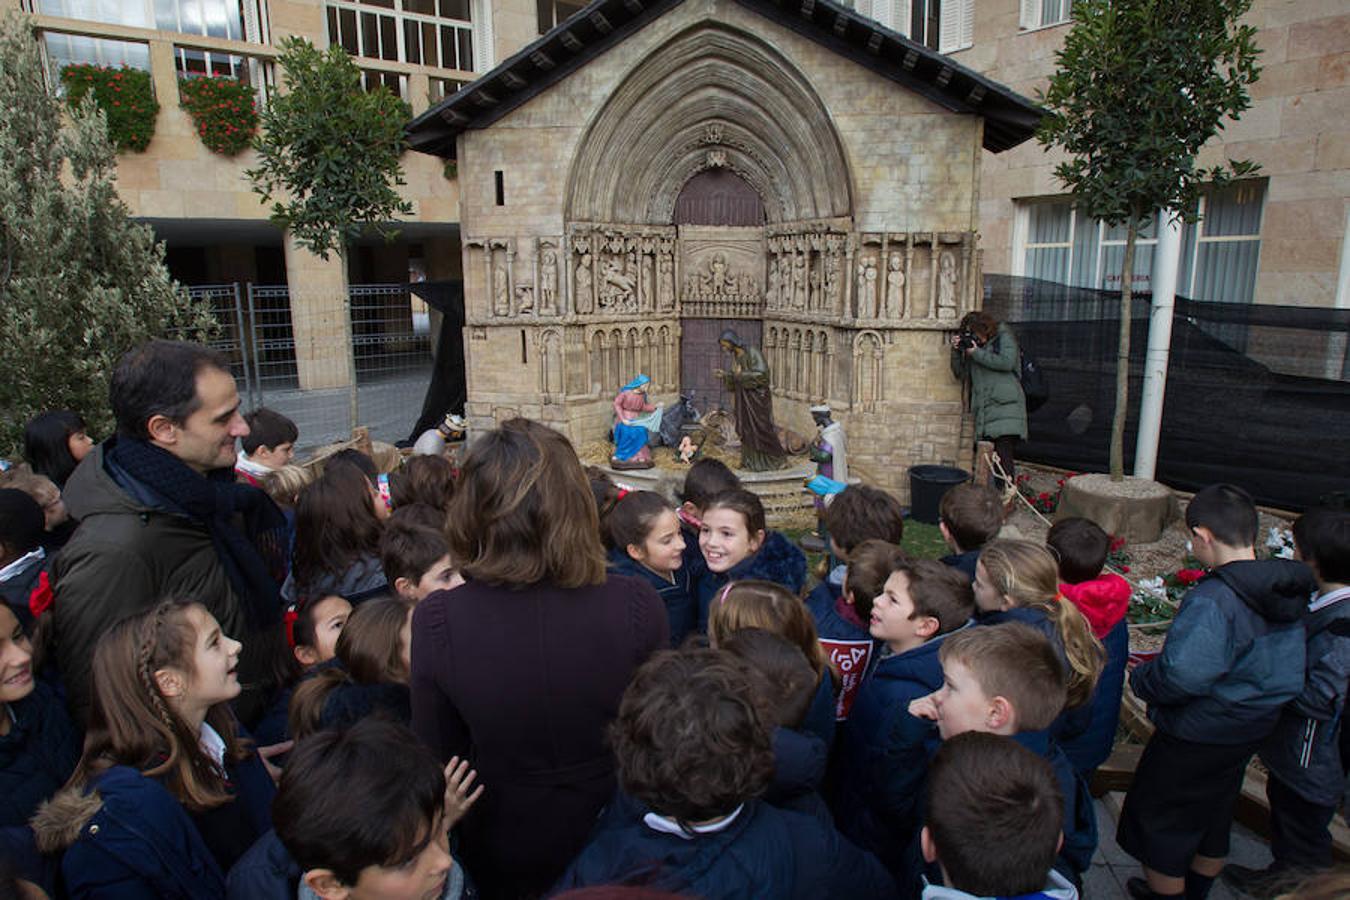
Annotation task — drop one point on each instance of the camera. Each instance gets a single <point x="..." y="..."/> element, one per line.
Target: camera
<point x="966" y="340"/>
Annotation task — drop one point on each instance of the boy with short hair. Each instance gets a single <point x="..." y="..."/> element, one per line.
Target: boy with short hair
<point x="1007" y="679"/>
<point x="693" y="753"/>
<point x="416" y="560"/>
<point x="366" y="812"/>
<point x="883" y="750"/>
<point x="995" y="815"/>
<point x="1081" y="547"/>
<point x="1305" y="780"/>
<point x="269" y="445"/>
<point x="970" y="516"/>
<point x="1233" y="656"/>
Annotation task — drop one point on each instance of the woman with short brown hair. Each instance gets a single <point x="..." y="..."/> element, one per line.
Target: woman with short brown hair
<point x="520" y="670"/>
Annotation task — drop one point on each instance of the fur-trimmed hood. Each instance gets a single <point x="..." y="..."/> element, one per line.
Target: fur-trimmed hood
<point x="58" y="822"/>
<point x="778" y="560"/>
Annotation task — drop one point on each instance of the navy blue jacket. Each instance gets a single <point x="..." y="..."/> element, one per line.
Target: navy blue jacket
<point x="127" y="838"/>
<point x="265" y="872"/>
<point x="1080" y="817"/>
<point x="820" y="714"/>
<point x="883" y="758"/>
<point x="1090" y="749"/>
<point x="1073" y="721"/>
<point x="965" y="562"/>
<point x="849" y="645"/>
<point x="677" y="595"/>
<point x="778" y="560"/>
<point x="765" y="852"/>
<point x="1234" y="655"/>
<point x="230" y="830"/>
<point x="800" y="760"/>
<point x="38" y="754"/>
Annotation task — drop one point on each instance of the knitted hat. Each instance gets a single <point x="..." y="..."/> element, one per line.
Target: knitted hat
<point x="21" y="522"/>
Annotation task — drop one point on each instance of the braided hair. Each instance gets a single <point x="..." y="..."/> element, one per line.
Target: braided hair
<point x="131" y="722"/>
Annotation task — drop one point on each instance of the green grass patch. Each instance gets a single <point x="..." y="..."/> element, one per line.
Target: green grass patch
<point x="924" y="541"/>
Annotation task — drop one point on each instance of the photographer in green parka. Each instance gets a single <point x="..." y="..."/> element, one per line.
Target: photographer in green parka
<point x="985" y="350"/>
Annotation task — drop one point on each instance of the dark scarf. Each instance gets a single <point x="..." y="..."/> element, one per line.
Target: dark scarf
<point x="252" y="558"/>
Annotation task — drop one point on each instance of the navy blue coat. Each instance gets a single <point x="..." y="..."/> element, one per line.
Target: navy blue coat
<point x="265" y="872"/>
<point x="1090" y="749"/>
<point x="800" y="760"/>
<point x="883" y="759"/>
<point x="850" y="646"/>
<point x="230" y="830"/>
<point x="37" y="756"/>
<point x="778" y="560"/>
<point x="765" y="852"/>
<point x="127" y="838"/>
<point x="1235" y="654"/>
<point x="1080" y="817"/>
<point x="965" y="562"/>
<point x="677" y="595"/>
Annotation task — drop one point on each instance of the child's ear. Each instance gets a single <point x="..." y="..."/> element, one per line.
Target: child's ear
<point x="324" y="883"/>
<point x="757" y="541"/>
<point x="926" y="626"/>
<point x="947" y="535"/>
<point x="404" y="587"/>
<point x="1001" y="716"/>
<point x="171" y="682"/>
<point x="635" y="552"/>
<point x="926" y="845"/>
<point x="689" y="509"/>
<point x="847" y="594"/>
<point x="306" y="655"/>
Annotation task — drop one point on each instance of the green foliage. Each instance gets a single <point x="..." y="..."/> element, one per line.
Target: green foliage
<point x="222" y="108"/>
<point x="1141" y="86"/>
<point x="330" y="150"/>
<point x="125" y="96"/>
<point x="80" y="282"/>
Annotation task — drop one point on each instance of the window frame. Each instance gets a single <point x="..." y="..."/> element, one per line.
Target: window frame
<point x="478" y="34"/>
<point x="1031" y="12"/>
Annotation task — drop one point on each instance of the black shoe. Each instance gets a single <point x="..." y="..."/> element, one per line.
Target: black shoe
<point x="1138" y="888"/>
<point x="1260" y="883"/>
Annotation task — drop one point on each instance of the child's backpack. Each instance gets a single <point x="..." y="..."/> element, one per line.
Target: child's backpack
<point x="1034" y="385"/>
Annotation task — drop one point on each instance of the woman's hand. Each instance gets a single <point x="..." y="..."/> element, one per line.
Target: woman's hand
<point x="459" y="780"/>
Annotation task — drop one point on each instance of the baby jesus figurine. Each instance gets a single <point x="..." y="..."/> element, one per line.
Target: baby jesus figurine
<point x="687" y="449"/>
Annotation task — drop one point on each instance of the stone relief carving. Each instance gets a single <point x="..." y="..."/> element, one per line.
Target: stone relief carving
<point x="548" y="280"/>
<point x="867" y="287"/>
<point x="869" y="352"/>
<point x="665" y="276"/>
<point x="895" y="287"/>
<point x="947" y="285"/>
<point x="722" y="269"/>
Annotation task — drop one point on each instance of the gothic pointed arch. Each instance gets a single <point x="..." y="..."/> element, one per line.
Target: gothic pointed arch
<point x="711" y="97"/>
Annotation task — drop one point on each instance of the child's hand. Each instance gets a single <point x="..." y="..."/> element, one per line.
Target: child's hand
<point x="459" y="780"/>
<point x="266" y="754"/>
<point x="924" y="708"/>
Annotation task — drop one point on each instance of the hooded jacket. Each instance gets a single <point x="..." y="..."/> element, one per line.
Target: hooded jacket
<point x="125" y="556"/>
<point x="1303" y="752"/>
<point x="1234" y="655"/>
<point x="1103" y="602"/>
<point x="777" y="560"/>
<point x="1080" y="815"/>
<point x="126" y="838"/>
<point x="996" y="395"/>
<point x="677" y="595"/>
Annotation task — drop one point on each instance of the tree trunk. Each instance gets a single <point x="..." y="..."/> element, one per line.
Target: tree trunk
<point x="1123" y="354"/>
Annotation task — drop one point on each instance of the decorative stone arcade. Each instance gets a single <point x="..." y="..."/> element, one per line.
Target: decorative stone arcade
<point x="861" y="149"/>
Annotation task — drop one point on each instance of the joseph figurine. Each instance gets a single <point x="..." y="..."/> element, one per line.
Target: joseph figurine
<point x="749" y="381"/>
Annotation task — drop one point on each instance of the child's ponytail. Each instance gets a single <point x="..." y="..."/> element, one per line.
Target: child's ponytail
<point x="1084" y="652"/>
<point x="305" y="715"/>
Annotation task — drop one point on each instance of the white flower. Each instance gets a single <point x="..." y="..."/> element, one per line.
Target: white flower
<point x="1280" y="542"/>
<point x="1152" y="587"/>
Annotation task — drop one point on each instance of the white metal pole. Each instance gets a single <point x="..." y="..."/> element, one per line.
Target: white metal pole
<point x="1166" y="256"/>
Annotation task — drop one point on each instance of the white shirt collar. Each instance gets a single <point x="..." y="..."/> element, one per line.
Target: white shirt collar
<point x="21" y="563"/>
<point x="1318" y="602"/>
<point x="667" y="825"/>
<point x="212" y="744"/>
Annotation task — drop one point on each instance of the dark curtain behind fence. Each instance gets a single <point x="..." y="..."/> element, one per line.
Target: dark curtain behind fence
<point x="1257" y="395"/>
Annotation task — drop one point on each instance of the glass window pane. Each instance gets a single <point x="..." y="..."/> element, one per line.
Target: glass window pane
<point x="64" y="50"/>
<point x="1184" y="266"/>
<point x="387" y="4"/>
<point x="412" y="44"/>
<point x="388" y="37"/>
<point x="1234" y="210"/>
<point x="429" y="44"/>
<point x="1114" y="256"/>
<point x="166" y="15"/>
<point x="1085" y="237"/>
<point x="1049" y="264"/>
<point x="370" y="34"/>
<point x="1147" y="231"/>
<point x="425" y="7"/>
<point x="456" y="9"/>
<point x="466" y="49"/>
<point x="448" y="47"/>
<point x="190" y="15"/>
<point x="1226" y="271"/>
<point x="543" y="10"/>
<point x="333" y="37"/>
<point x="1049" y="223"/>
<point x="347" y="21"/>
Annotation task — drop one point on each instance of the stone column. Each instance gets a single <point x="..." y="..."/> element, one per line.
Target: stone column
<point x="318" y="293"/>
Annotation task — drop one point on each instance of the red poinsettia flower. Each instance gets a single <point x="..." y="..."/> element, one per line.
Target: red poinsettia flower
<point x="1190" y="576"/>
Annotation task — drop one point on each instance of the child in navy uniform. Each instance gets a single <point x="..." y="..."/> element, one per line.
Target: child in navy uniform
<point x="705" y="478"/>
<point x="693" y="754"/>
<point x="969" y="517"/>
<point x="994" y="822"/>
<point x="1305" y="779"/>
<point x="1008" y="680"/>
<point x="1233" y="657"/>
<point x="1081" y="547"/>
<point x="736" y="546"/>
<point x="646" y="541"/>
<point x="855" y="515"/>
<point x="883" y="749"/>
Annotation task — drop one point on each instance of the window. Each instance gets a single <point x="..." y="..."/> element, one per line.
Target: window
<point x="551" y="12"/>
<point x="1220" y="253"/>
<point x="212" y="18"/>
<point x="1032" y="14"/>
<point x="942" y="25"/>
<point x="1060" y="244"/>
<point x="436" y="33"/>
<point x="69" y="49"/>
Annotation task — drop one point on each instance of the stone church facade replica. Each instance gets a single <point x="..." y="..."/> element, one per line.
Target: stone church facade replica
<point x="649" y="173"/>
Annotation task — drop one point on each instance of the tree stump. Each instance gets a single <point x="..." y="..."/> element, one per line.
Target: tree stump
<point x="1137" y="509"/>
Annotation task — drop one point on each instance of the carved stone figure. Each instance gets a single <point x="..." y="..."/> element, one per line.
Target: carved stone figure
<point x="714" y="281"/>
<point x="799" y="281"/>
<point x="548" y="282"/>
<point x="616" y="286"/>
<point x="867" y="287"/>
<point x="585" y="298"/>
<point x="665" y="282"/>
<point x="815" y="288"/>
<point x="832" y="285"/>
<point x="524" y="298"/>
<point x="828" y="452"/>
<point x="895" y="287"/>
<point x="946" y="285"/>
<point x="749" y="380"/>
<point x="501" y="292"/>
<point x="645" y="280"/>
<point x="771" y="287"/>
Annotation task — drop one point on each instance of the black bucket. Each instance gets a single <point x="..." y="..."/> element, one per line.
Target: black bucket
<point x="927" y="484"/>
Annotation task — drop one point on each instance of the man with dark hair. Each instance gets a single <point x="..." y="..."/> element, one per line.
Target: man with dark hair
<point x="365" y="813"/>
<point x="693" y="753"/>
<point x="269" y="445"/>
<point x="995" y="820"/>
<point x="161" y="515"/>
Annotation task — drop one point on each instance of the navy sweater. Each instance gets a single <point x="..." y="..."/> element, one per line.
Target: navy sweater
<point x="677" y="595"/>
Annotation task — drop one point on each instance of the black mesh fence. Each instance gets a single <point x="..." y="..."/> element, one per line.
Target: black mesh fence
<point x="1257" y="395"/>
